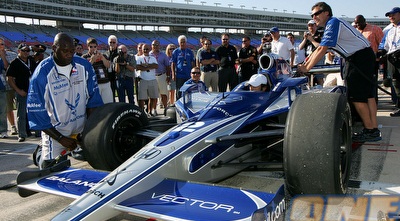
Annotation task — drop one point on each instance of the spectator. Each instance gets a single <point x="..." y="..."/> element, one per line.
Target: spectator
<point x="209" y="62"/>
<point x="148" y="86"/>
<point x="38" y="52"/>
<point x="3" y="90"/>
<point x="202" y="41"/>
<point x="100" y="65"/>
<point x="265" y="46"/>
<point x="311" y="40"/>
<point x="10" y="56"/>
<point x="195" y="80"/>
<point x="63" y="92"/>
<point x="18" y="74"/>
<point x="374" y="34"/>
<point x="171" y="83"/>
<point x="343" y="38"/>
<point x="281" y="46"/>
<point x="226" y="72"/>
<point x="390" y="44"/>
<point x="110" y="55"/>
<point x="299" y="54"/>
<point x="182" y="62"/>
<point x="125" y="65"/>
<point x="78" y="49"/>
<point x="247" y="60"/>
<point x="257" y="82"/>
<point x="163" y="71"/>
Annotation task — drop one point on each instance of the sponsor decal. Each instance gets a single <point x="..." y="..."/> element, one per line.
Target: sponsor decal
<point x="208" y="205"/>
<point x="96" y="193"/>
<point x="71" y="181"/>
<point x="73" y="106"/>
<point x="135" y="112"/>
<point x="372" y="207"/>
<point x="34" y="105"/>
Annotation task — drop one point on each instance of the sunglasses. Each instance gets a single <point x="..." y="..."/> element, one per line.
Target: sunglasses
<point x="113" y="42"/>
<point x="317" y="13"/>
<point x="89" y="47"/>
<point x="172" y="49"/>
<point x="145" y="49"/>
<point x="26" y="50"/>
<point x="195" y="73"/>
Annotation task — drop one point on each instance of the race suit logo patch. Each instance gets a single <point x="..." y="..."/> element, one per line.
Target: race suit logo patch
<point x="73" y="107"/>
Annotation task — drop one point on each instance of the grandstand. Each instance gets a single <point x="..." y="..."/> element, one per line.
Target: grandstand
<point x="71" y="15"/>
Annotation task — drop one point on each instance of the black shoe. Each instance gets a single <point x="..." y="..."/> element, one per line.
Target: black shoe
<point x="21" y="139"/>
<point x="395" y="113"/>
<point x="366" y="135"/>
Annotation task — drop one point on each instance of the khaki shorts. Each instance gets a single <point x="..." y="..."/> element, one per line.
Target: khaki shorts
<point x="162" y="84"/>
<point x="147" y="89"/>
<point x="10" y="100"/>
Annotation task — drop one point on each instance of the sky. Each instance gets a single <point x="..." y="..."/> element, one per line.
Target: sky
<point x="340" y="8"/>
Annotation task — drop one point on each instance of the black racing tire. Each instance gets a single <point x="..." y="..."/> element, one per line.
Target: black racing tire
<point x="317" y="144"/>
<point x="109" y="137"/>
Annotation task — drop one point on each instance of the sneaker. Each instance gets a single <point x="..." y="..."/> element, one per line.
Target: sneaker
<point x="3" y="135"/>
<point x="395" y="113"/>
<point x="14" y="130"/>
<point x="367" y="136"/>
<point x="154" y="113"/>
<point x="21" y="139"/>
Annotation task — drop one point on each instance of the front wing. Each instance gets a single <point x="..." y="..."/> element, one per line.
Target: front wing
<point x="170" y="199"/>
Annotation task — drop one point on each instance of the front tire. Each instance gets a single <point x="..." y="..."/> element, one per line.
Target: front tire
<point x="109" y="137"/>
<point x="317" y="145"/>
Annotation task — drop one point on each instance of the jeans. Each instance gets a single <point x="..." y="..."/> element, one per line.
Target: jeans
<point x="21" y="115"/>
<point x="3" y="112"/>
<point x="126" y="84"/>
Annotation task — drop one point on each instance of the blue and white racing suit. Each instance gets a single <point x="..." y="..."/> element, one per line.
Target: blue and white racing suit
<point x="59" y="101"/>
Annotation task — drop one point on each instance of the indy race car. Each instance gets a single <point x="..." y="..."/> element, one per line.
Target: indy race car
<point x="166" y="168"/>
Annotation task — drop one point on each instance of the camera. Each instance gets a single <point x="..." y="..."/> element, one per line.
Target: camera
<point x="120" y="58"/>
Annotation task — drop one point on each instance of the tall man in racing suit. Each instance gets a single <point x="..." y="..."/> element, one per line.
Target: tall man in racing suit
<point x="62" y="92"/>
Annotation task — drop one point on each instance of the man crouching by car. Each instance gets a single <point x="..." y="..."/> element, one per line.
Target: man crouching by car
<point x="63" y="91"/>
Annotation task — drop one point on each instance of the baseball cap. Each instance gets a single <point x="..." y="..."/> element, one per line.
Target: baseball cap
<point x="311" y="22"/>
<point x="22" y="46"/>
<point x="394" y="10"/>
<point x="256" y="80"/>
<point x="274" y="29"/>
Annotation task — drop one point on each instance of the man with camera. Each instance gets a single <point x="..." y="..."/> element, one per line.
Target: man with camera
<point x="100" y="65"/>
<point x="391" y="45"/>
<point x="125" y="65"/>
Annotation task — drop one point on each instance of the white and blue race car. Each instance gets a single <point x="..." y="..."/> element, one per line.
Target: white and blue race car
<point x="170" y="175"/>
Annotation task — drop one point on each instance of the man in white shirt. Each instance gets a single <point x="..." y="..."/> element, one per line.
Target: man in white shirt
<point x="282" y="46"/>
<point x="147" y="86"/>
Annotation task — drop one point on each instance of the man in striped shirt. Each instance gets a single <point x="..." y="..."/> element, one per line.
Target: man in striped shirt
<point x="341" y="37"/>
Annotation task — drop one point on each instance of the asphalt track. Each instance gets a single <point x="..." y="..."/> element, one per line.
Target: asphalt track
<point x="375" y="170"/>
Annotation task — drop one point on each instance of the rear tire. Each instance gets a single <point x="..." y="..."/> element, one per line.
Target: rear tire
<point x="317" y="145"/>
<point x="109" y="137"/>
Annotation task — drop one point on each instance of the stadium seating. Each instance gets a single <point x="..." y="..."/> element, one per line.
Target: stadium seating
<point x="14" y="33"/>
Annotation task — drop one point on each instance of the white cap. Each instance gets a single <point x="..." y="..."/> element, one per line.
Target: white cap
<point x="256" y="80"/>
<point x="312" y="22"/>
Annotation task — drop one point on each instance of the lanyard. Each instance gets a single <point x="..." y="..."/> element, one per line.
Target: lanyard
<point x="26" y="65"/>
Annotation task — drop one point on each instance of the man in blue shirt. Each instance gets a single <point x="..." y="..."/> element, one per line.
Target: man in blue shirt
<point x="195" y="79"/>
<point x="343" y="38"/>
<point x="209" y="62"/>
<point x="182" y="62"/>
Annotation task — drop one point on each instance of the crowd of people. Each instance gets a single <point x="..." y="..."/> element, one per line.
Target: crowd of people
<point x="156" y="76"/>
